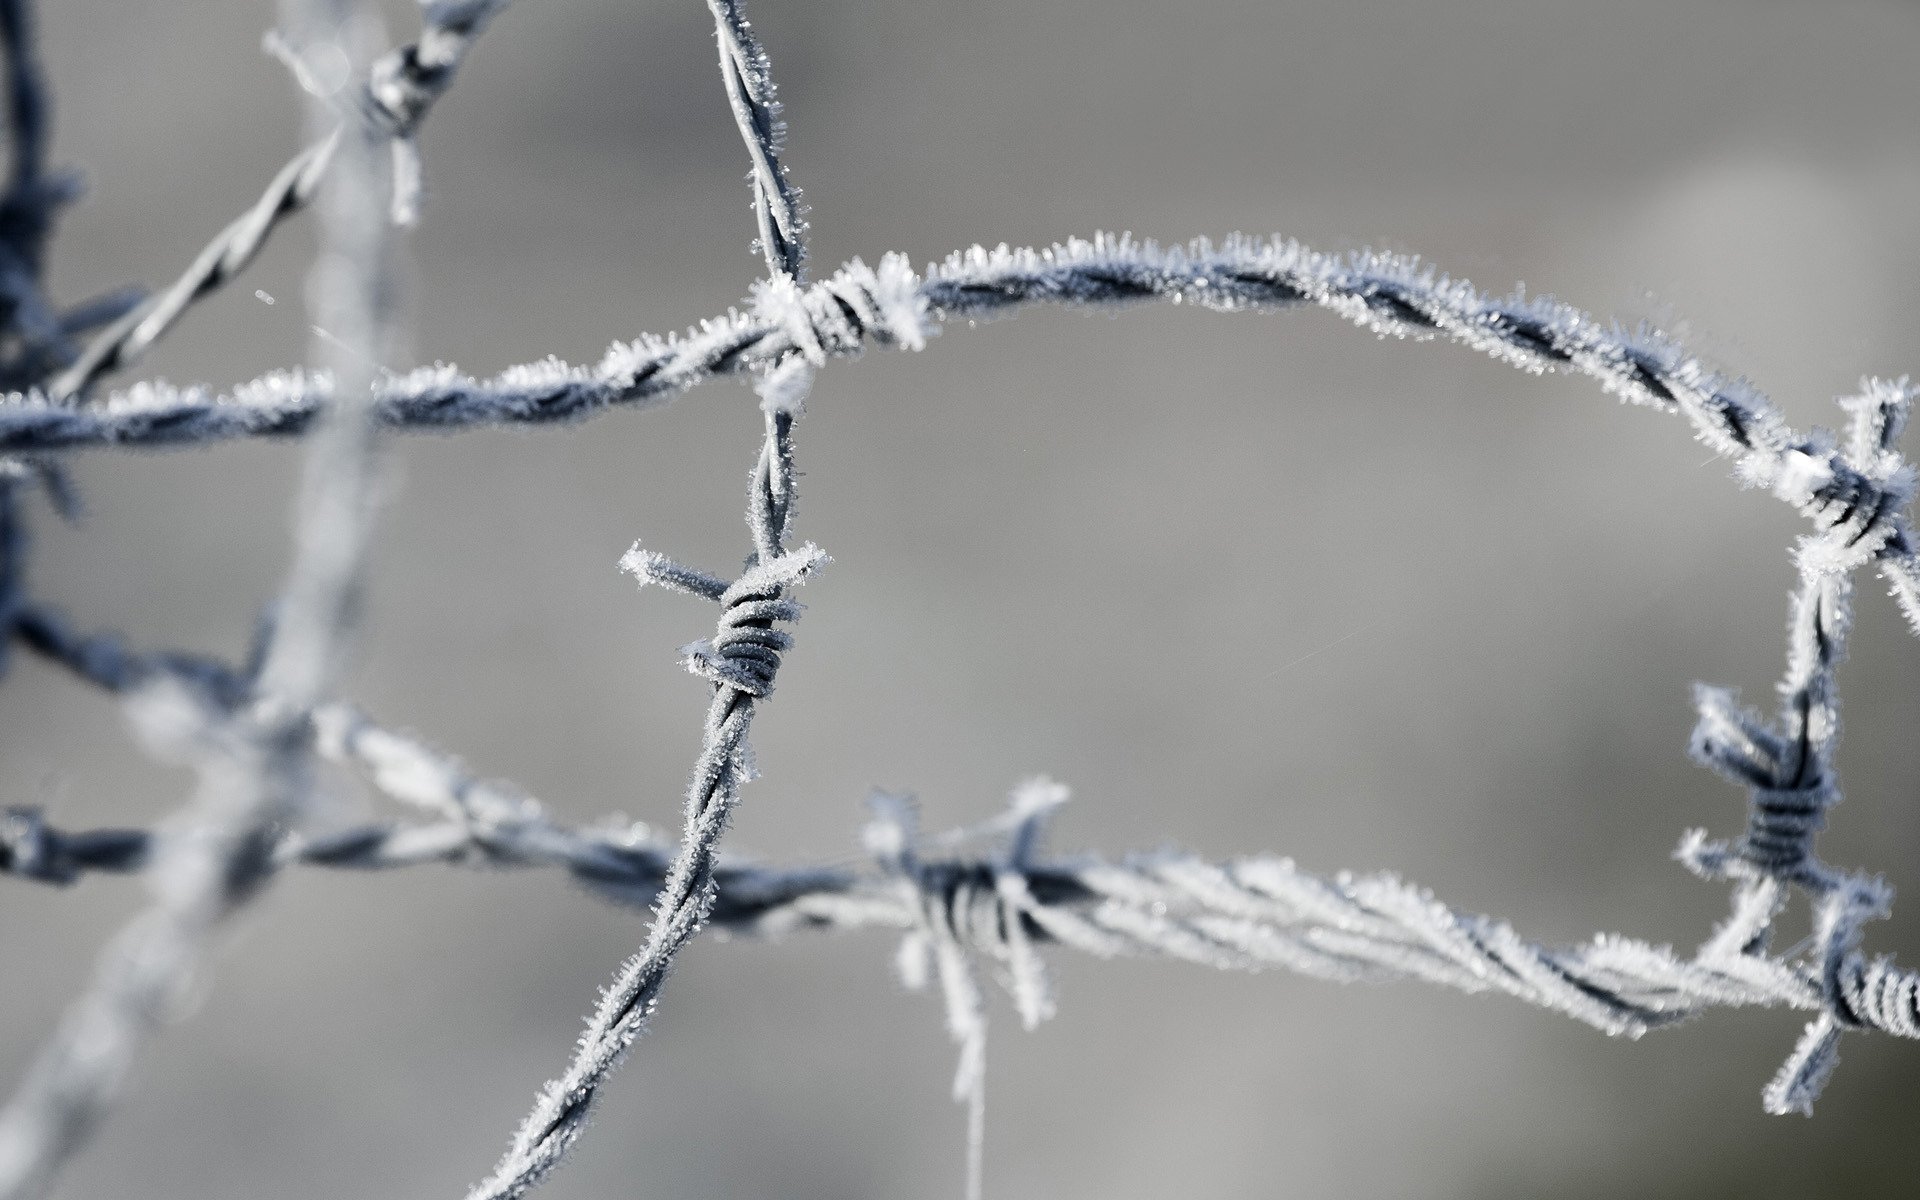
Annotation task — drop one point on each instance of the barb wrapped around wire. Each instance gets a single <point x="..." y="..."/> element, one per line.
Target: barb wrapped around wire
<point x="1857" y="496"/>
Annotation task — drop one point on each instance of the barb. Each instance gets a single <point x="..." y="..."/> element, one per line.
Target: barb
<point x="401" y="89"/>
<point x="252" y="760"/>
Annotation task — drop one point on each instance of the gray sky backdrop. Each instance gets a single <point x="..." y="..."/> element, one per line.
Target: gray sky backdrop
<point x="1247" y="583"/>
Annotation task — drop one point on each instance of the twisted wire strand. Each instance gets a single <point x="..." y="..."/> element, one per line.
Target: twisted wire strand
<point x="24" y="209"/>
<point x="751" y="94"/>
<point x="743" y="657"/>
<point x="1247" y="914"/>
<point x="1251" y="913"/>
<point x="1388" y="294"/>
<point x="129" y="338"/>
<point x="252" y="761"/>
<point x="402" y="87"/>
<point x="856" y="304"/>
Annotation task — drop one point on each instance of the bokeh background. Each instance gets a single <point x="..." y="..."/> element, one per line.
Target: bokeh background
<point x="1247" y="583"/>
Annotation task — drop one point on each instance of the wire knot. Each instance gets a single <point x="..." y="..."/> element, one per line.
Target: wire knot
<point x="834" y="316"/>
<point x="744" y="653"/>
<point x="959" y="909"/>
<point x="1789" y="791"/>
<point x="962" y="906"/>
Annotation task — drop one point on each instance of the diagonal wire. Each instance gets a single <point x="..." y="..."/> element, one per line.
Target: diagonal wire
<point x="401" y="89"/>
<point x="741" y="660"/>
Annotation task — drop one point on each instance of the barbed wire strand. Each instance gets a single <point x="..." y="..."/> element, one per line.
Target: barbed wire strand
<point x="1252" y="913"/>
<point x="753" y="97"/>
<point x="1248" y="914"/>
<point x="1390" y="295"/>
<point x="401" y="88"/>
<point x="253" y="762"/>
<point x="741" y="660"/>
<point x="38" y="339"/>
<point x="751" y="94"/>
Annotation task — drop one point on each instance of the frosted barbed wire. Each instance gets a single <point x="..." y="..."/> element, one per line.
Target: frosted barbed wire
<point x="1388" y="294"/>
<point x="1787" y="766"/>
<point x="751" y="94"/>
<point x="995" y="908"/>
<point x="401" y="89"/>
<point x="1250" y="914"/>
<point x="31" y="198"/>
<point x="740" y="660"/>
<point x="1244" y="914"/>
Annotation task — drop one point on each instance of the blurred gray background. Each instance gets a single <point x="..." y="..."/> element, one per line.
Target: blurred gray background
<point x="1249" y="583"/>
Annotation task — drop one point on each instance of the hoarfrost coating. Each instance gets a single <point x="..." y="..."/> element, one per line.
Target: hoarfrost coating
<point x="976" y="904"/>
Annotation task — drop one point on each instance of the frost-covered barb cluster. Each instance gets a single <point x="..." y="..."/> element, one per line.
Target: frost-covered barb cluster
<point x="976" y="904"/>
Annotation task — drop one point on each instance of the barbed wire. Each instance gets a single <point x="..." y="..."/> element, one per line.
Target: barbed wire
<point x="748" y="76"/>
<point x="1387" y="294"/>
<point x="1253" y="913"/>
<point x="962" y="914"/>
<point x="741" y="660"/>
